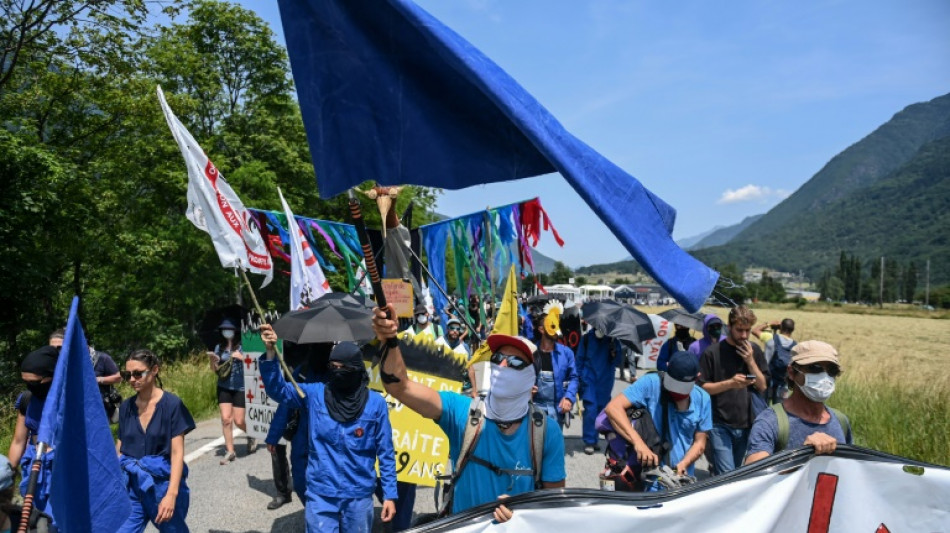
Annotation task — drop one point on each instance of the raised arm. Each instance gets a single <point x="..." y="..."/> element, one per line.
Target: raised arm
<point x="415" y="396"/>
<point x="274" y="382"/>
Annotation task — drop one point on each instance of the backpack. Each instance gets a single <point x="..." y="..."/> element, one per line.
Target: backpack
<point x="622" y="465"/>
<point x="778" y="366"/>
<point x="783" y="427"/>
<point x="476" y="421"/>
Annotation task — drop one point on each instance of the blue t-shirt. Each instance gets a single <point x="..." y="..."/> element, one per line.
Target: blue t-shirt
<point x="683" y="424"/>
<point x="236" y="380"/>
<point x="478" y="484"/>
<point x="171" y="418"/>
<point x="764" y="434"/>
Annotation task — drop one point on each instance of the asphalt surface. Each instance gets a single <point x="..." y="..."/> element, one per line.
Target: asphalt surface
<point x="233" y="498"/>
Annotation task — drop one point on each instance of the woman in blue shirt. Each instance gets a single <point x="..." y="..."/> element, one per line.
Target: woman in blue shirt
<point x="230" y="388"/>
<point x="151" y="446"/>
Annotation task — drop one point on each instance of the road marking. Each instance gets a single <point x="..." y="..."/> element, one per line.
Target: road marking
<point x="208" y="447"/>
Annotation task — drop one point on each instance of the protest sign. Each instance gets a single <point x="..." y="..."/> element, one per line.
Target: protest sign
<point x="651" y="348"/>
<point x="259" y="407"/>
<point x="399" y="293"/>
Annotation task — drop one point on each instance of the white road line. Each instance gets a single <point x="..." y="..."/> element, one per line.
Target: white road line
<point x="208" y="447"/>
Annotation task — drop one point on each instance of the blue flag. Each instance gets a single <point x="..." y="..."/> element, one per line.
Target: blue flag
<point x="389" y="93"/>
<point x="87" y="489"/>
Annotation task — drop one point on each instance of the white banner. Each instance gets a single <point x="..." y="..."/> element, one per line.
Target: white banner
<point x="651" y="348"/>
<point x="826" y="494"/>
<point x="307" y="282"/>
<point x="214" y="208"/>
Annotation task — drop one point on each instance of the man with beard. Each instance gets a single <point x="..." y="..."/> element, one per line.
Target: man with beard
<point x="453" y="338"/>
<point x="731" y="371"/>
<point x="503" y="457"/>
<point x="349" y="430"/>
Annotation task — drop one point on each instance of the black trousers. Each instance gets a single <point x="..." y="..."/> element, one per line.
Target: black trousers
<point x="281" y="470"/>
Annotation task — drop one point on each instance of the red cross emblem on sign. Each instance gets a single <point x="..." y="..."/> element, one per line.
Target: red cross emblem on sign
<point x="250" y="396"/>
<point x="248" y="361"/>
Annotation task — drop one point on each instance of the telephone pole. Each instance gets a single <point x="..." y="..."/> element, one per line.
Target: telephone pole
<point x="927" y="290"/>
<point x="880" y="294"/>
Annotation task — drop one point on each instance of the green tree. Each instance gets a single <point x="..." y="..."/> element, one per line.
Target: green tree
<point x="909" y="281"/>
<point x="561" y="273"/>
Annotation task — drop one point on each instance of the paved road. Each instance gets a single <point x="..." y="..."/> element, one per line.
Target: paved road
<point x="233" y="498"/>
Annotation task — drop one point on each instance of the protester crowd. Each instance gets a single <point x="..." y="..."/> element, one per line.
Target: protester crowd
<point x="720" y="395"/>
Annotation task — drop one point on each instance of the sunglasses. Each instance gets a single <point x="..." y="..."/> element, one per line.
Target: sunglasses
<point x="455" y="328"/>
<point x="137" y="374"/>
<point x="816" y="368"/>
<point x="514" y="361"/>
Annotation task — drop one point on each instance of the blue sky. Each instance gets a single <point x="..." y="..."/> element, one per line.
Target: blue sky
<point x="720" y="108"/>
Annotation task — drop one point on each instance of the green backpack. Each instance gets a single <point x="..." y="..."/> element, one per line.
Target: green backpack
<point x="783" y="427"/>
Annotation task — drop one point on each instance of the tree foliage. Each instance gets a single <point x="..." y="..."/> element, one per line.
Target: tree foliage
<point x="92" y="185"/>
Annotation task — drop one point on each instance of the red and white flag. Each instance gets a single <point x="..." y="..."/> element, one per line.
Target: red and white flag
<point x="215" y="209"/>
<point x="307" y="282"/>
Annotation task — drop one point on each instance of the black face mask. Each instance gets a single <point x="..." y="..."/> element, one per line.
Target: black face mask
<point x="346" y="380"/>
<point x="39" y="390"/>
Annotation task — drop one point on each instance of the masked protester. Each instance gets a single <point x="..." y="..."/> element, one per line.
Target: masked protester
<point x="688" y="415"/>
<point x="807" y="420"/>
<point x="712" y="334"/>
<point x="227" y="362"/>
<point x="36" y="371"/>
<point x="679" y="342"/>
<point x="502" y="460"/>
<point x="151" y="444"/>
<point x="597" y="357"/>
<point x="557" y="373"/>
<point x="349" y="431"/>
<point x="422" y="324"/>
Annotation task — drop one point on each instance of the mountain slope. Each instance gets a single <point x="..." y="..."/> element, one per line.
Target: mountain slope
<point x="904" y="216"/>
<point x="724" y="235"/>
<point x="880" y="153"/>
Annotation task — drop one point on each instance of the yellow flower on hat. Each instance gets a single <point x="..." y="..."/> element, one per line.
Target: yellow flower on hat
<point x="552" y="318"/>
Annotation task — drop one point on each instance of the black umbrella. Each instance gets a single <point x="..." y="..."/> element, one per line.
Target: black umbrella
<point x="334" y="317"/>
<point x="208" y="328"/>
<point x="619" y="321"/>
<point x="680" y="316"/>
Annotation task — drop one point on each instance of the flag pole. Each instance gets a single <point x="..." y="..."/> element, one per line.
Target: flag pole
<point x="280" y="356"/>
<point x="31" y="487"/>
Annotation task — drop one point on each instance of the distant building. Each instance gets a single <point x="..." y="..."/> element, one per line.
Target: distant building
<point x="596" y="292"/>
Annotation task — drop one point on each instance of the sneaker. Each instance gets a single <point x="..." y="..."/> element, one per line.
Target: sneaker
<point x="589" y="449"/>
<point x="251" y="445"/>
<point x="228" y="457"/>
<point x="278" y="501"/>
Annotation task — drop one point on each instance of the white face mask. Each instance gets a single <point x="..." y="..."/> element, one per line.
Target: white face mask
<point x="422" y="319"/>
<point x="227" y="333"/>
<point x="818" y="387"/>
<point x="599" y="334"/>
<point x="509" y="394"/>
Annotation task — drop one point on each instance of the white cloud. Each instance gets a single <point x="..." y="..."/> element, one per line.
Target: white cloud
<point x="752" y="193"/>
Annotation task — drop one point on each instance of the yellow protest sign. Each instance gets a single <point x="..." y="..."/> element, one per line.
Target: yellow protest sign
<point x="422" y="449"/>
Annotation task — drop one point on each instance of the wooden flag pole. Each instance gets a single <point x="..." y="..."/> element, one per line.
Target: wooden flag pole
<point x="280" y="356"/>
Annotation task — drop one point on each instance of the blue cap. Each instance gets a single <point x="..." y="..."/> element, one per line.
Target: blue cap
<point x="683" y="366"/>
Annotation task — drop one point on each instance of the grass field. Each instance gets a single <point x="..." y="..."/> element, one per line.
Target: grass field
<point x="896" y="384"/>
<point x="895" y="389"/>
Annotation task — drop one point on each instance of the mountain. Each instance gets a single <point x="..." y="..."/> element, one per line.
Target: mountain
<point x="688" y="242"/>
<point x="879" y="154"/>
<point x="722" y="235"/>
<point x="904" y="216"/>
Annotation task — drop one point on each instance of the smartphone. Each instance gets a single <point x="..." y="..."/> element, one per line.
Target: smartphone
<point x="750" y="376"/>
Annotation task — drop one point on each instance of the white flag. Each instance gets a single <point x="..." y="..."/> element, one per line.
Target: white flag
<point x="307" y="282"/>
<point x="214" y="208"/>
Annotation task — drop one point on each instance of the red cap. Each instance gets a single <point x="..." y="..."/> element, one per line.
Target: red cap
<point x="526" y="347"/>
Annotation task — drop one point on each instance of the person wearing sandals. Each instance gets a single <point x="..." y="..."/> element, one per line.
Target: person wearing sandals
<point x="151" y="447"/>
<point x="226" y="361"/>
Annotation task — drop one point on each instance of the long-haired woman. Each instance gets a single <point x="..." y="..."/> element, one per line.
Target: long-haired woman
<point x="151" y="446"/>
<point x="227" y="354"/>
